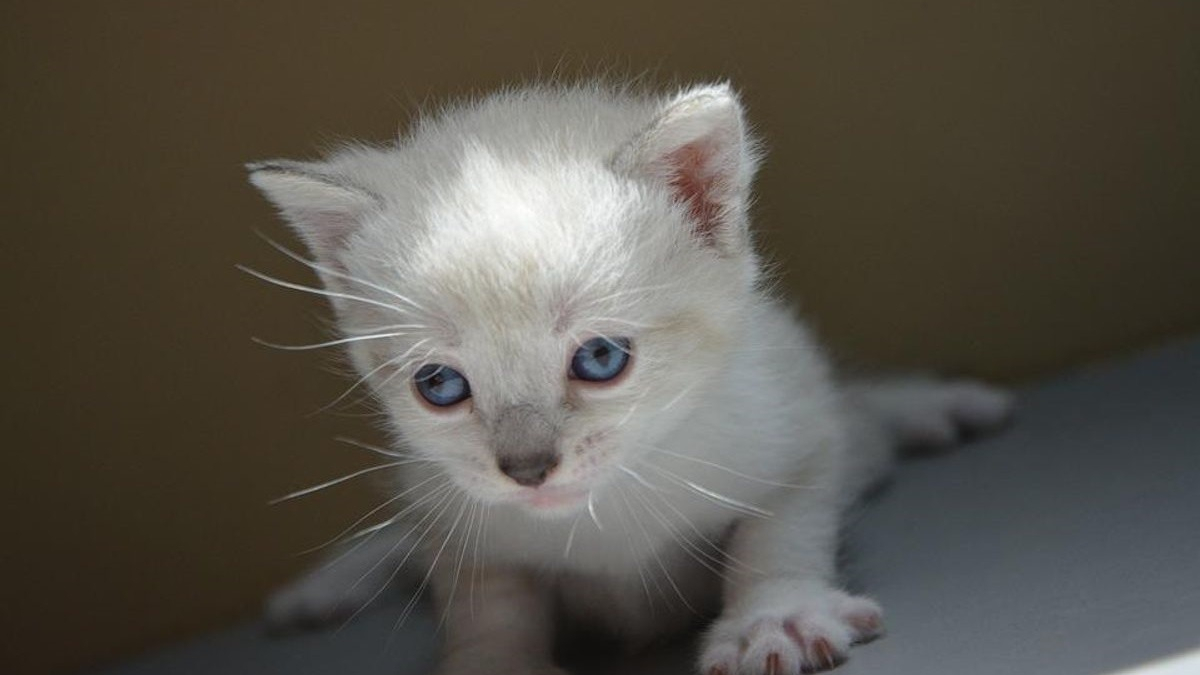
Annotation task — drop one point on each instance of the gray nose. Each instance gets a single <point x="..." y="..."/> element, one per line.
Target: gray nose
<point x="528" y="470"/>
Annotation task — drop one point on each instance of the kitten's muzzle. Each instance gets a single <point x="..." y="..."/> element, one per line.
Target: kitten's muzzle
<point x="526" y="445"/>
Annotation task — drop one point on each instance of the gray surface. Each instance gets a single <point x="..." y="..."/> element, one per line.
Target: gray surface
<point x="1069" y="545"/>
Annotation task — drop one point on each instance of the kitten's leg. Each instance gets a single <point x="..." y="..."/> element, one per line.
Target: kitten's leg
<point x="338" y="587"/>
<point x="921" y="411"/>
<point x="498" y="623"/>
<point x="788" y="618"/>
<point x="791" y="618"/>
<point x="914" y="412"/>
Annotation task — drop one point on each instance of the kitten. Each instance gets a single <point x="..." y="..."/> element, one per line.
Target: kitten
<point x="554" y="295"/>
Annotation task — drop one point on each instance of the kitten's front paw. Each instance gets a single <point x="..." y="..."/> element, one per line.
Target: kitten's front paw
<point x="802" y="631"/>
<point x="939" y="413"/>
<point x="312" y="602"/>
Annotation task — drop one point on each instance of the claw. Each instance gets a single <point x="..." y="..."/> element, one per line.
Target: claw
<point x="793" y="632"/>
<point x="824" y="655"/>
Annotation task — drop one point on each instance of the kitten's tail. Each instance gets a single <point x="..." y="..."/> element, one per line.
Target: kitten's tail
<point x="915" y="412"/>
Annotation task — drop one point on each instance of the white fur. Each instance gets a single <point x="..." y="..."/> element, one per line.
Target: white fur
<point x="499" y="235"/>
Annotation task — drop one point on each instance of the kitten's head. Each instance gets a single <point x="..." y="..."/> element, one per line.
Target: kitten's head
<point x="544" y="282"/>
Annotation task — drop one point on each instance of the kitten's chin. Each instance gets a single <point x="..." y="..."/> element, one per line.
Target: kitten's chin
<point x="552" y="501"/>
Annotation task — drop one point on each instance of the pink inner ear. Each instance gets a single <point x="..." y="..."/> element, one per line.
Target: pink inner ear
<point x="695" y="184"/>
<point x="326" y="233"/>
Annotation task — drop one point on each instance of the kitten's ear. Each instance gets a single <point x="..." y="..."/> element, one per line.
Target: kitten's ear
<point x="699" y="147"/>
<point x="323" y="210"/>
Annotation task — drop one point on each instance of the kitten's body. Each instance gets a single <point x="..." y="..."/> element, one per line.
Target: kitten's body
<point x="500" y="236"/>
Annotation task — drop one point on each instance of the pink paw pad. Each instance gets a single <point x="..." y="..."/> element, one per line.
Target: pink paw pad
<point x="864" y="618"/>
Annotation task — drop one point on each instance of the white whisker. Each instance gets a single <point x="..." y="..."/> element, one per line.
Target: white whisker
<point x="412" y="365"/>
<point x="372" y="448"/>
<point x="462" y="553"/>
<point x="720" y="467"/>
<point x="629" y="413"/>
<point x="628" y="291"/>
<point x="570" y="538"/>
<point x="391" y="500"/>
<point x="370" y="531"/>
<point x="575" y="339"/>
<point x="440" y="509"/>
<point x="318" y="291"/>
<point x="613" y="319"/>
<point x="703" y="558"/>
<point x="390" y="362"/>
<point x="725" y="556"/>
<point x="341" y="275"/>
<point x="659" y="562"/>
<point x="591" y="507"/>
<point x="712" y="496"/>
<point x="613" y="342"/>
<point x="432" y="565"/>
<point x="390" y="327"/>
<point x="677" y="399"/>
<point x="629" y="515"/>
<point x="365" y="535"/>
<point x="637" y="476"/>
<point x="343" y="479"/>
<point x="323" y="345"/>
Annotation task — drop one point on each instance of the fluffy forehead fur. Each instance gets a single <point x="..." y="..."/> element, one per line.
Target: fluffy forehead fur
<point x="497" y="237"/>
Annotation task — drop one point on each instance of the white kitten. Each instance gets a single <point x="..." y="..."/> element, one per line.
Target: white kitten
<point x="554" y="294"/>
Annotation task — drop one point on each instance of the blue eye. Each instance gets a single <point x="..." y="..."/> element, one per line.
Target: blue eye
<point x="441" y="385"/>
<point x="600" y="359"/>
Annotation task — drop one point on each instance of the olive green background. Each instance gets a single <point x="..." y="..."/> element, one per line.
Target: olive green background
<point x="998" y="188"/>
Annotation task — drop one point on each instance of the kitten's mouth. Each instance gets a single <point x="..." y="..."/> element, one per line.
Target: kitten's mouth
<point x="553" y="497"/>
